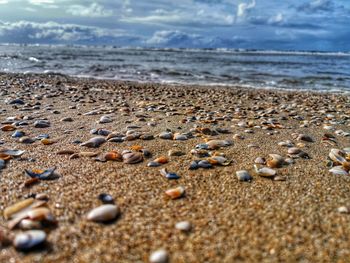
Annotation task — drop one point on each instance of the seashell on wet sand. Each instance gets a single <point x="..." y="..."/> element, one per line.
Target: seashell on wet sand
<point x="132" y="157"/>
<point x="265" y="171"/>
<point x="244" y="176"/>
<point x="159" y="256"/>
<point x="29" y="239"/>
<point x="103" y="213"/>
<point x="94" y="142"/>
<point x="175" y="193"/>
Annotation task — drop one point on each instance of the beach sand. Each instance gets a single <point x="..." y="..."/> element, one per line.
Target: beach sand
<point x="265" y="220"/>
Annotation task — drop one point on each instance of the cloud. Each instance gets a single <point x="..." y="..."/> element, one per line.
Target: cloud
<point x="317" y="6"/>
<point x="94" y="10"/>
<point x="3" y="2"/>
<point x="243" y="8"/>
<point x="179" y="39"/>
<point x="41" y="2"/>
<point x="195" y="18"/>
<point x="52" y="32"/>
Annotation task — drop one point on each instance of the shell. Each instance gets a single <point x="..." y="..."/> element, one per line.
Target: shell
<point x="40" y="213"/>
<point x="11" y="210"/>
<point x="175" y="193"/>
<point x="110" y="156"/>
<point x="153" y="164"/>
<point x="170" y="176"/>
<point x="29" y="239"/>
<point x="166" y="135"/>
<point x="159" y="256"/>
<point x="265" y="171"/>
<point x="8" y="128"/>
<point x="337" y="156"/>
<point x="103" y="213"/>
<point x="184" y="226"/>
<point x="105" y="119"/>
<point x="26" y="140"/>
<point x="18" y="134"/>
<point x="175" y="153"/>
<point x="219" y="160"/>
<point x="65" y="152"/>
<point x="260" y="160"/>
<point x="2" y="164"/>
<point x="277" y="161"/>
<point x="204" y="164"/>
<point x="343" y="210"/>
<point x="304" y="137"/>
<point x="294" y="150"/>
<point x="41" y="124"/>
<point x="161" y="160"/>
<point x="106" y="198"/>
<point x="47" y="141"/>
<point x="338" y="170"/>
<point x="94" y="142"/>
<point x="216" y="144"/>
<point x="27" y="224"/>
<point x="243" y="176"/>
<point x="132" y="157"/>
<point x="42" y="174"/>
<point x="14" y="153"/>
<point x="180" y="137"/>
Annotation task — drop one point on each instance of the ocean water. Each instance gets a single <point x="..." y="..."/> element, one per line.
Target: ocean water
<point x="222" y="67"/>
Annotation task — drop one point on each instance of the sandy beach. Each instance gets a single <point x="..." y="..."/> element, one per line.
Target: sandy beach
<point x="299" y="214"/>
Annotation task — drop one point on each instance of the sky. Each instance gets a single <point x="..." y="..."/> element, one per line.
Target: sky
<point x="322" y="25"/>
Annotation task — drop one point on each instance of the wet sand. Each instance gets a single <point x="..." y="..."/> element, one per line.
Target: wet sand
<point x="264" y="220"/>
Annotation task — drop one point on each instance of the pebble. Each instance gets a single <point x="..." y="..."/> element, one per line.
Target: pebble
<point x="103" y="213"/>
<point x="159" y="256"/>
<point x="29" y="239"/>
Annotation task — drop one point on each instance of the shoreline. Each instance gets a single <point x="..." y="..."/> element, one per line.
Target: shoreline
<point x="290" y="217"/>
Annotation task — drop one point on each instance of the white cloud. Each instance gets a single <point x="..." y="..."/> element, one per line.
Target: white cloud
<point x="243" y="8"/>
<point x="2" y="2"/>
<point x="41" y="2"/>
<point x="25" y="31"/>
<point x="94" y="10"/>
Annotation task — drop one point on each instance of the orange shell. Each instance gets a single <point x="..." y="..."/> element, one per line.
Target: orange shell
<point x="8" y="128"/>
<point x="113" y="156"/>
<point x="5" y="157"/>
<point x="161" y="160"/>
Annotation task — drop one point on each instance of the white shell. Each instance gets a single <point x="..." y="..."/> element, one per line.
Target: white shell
<point x="180" y="137"/>
<point x="159" y="256"/>
<point x="27" y="240"/>
<point x="105" y="119"/>
<point x="183" y="226"/>
<point x="338" y="170"/>
<point x="103" y="213"/>
<point x="94" y="142"/>
<point x="265" y="171"/>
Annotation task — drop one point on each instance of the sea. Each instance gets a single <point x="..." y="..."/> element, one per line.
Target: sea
<point x="267" y="69"/>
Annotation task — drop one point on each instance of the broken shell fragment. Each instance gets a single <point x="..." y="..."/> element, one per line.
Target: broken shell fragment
<point x="175" y="193"/>
<point x="94" y="142"/>
<point x="29" y="239"/>
<point x="337" y="156"/>
<point x="14" y="153"/>
<point x="103" y="213"/>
